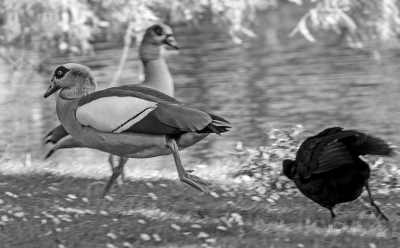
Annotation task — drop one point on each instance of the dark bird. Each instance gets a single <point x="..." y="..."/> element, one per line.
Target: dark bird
<point x="328" y="168"/>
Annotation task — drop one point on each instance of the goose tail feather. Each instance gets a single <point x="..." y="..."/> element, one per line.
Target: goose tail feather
<point x="217" y="125"/>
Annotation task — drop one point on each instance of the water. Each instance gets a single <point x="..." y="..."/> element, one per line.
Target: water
<point x="264" y="83"/>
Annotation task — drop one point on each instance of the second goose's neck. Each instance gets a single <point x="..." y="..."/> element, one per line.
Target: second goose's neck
<point x="157" y="74"/>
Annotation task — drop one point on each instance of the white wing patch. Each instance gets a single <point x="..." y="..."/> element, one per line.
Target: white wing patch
<point x="114" y="114"/>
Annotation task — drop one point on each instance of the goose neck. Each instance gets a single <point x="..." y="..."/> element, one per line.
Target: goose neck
<point x="158" y="76"/>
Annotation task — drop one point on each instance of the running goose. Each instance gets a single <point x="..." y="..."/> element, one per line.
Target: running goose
<point x="157" y="77"/>
<point x="131" y="121"/>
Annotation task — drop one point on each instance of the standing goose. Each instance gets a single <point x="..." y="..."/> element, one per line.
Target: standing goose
<point x="130" y="121"/>
<point x="328" y="169"/>
<point x="157" y="76"/>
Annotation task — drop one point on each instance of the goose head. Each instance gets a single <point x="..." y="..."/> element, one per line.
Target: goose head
<point x="155" y="37"/>
<point x="74" y="81"/>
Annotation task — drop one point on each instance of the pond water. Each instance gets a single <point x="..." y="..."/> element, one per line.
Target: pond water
<point x="272" y="81"/>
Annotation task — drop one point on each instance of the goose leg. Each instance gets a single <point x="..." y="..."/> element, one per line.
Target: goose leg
<point x="116" y="171"/>
<point x="375" y="208"/>
<point x="121" y="179"/>
<point x="191" y="180"/>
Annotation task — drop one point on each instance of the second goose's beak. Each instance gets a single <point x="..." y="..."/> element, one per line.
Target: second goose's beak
<point x="170" y="41"/>
<point x="52" y="89"/>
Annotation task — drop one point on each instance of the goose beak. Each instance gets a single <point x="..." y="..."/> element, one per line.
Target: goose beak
<point x="52" y="89"/>
<point x="170" y="41"/>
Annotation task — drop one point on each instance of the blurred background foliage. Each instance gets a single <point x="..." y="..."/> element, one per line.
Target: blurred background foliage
<point x="73" y="26"/>
<point x="31" y="31"/>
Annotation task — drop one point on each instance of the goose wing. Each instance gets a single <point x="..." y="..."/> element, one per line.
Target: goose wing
<point x="138" y="109"/>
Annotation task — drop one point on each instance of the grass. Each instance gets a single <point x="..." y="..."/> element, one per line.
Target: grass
<point x="44" y="207"/>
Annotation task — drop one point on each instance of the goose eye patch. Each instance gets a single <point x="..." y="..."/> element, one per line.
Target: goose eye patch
<point x="158" y="30"/>
<point x="61" y="71"/>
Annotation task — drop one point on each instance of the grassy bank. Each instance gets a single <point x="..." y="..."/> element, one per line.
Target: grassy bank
<point x="47" y="209"/>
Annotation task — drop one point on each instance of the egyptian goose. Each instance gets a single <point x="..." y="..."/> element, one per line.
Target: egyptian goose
<point x="328" y="169"/>
<point x="131" y="120"/>
<point x="157" y="77"/>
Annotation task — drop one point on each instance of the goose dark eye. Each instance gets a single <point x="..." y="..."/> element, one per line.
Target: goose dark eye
<point x="61" y="71"/>
<point x="158" y="30"/>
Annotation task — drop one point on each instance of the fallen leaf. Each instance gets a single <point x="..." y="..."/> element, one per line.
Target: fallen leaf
<point x="223" y="228"/>
<point x="153" y="196"/>
<point x="372" y="245"/>
<point x="195" y="226"/>
<point x="156" y="237"/>
<point x="111" y="235"/>
<point x="127" y="245"/>
<point x="67" y="219"/>
<point x="56" y="221"/>
<point x="141" y="221"/>
<point x="11" y="194"/>
<point x="19" y="214"/>
<point x="256" y="198"/>
<point x="163" y="185"/>
<point x="111" y="246"/>
<point x="202" y="235"/>
<point x="211" y="240"/>
<point x="1" y="201"/>
<point x="71" y="196"/>
<point x="109" y="198"/>
<point x="89" y="211"/>
<point x="103" y="212"/>
<point x="150" y="185"/>
<point x="176" y="227"/>
<point x="145" y="236"/>
<point x="214" y="194"/>
<point x="84" y="199"/>
<point x="275" y="196"/>
<point x="4" y="218"/>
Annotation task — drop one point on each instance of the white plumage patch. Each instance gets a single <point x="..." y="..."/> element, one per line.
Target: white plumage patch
<point x="114" y="114"/>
